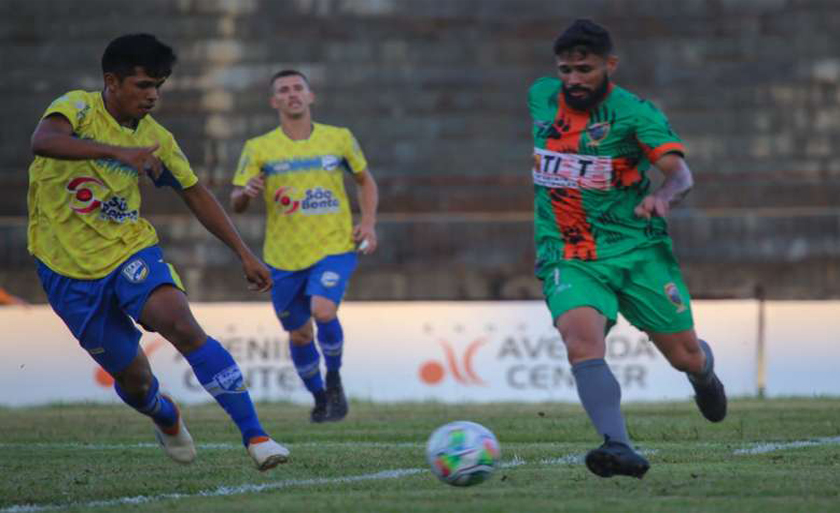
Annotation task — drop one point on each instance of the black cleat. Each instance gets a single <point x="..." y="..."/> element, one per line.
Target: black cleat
<point x="336" y="403"/>
<point x="711" y="399"/>
<point x="319" y="412"/>
<point x="616" y="458"/>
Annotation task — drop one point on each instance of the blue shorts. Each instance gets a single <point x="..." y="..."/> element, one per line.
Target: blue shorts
<point x="99" y="312"/>
<point x="293" y="290"/>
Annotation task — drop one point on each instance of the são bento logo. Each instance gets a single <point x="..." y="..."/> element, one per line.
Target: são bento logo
<point x="317" y="200"/>
<point x="283" y="198"/>
<point x="83" y="191"/>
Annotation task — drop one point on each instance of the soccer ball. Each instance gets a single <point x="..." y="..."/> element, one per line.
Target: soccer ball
<point x="463" y="453"/>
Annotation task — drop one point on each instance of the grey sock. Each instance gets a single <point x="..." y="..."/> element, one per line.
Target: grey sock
<point x="600" y="395"/>
<point x="705" y="375"/>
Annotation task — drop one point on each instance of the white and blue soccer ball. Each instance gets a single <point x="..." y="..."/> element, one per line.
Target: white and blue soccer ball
<point x="463" y="453"/>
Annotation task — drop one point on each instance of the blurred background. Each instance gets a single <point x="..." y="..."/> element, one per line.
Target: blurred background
<point x="435" y="92"/>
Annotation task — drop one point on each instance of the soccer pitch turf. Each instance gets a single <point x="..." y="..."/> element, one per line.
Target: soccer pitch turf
<point x="768" y="455"/>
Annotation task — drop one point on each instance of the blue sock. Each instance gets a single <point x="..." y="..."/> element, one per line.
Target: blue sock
<point x="308" y="364"/>
<point x="600" y="395"/>
<point x="331" y="340"/>
<point x="218" y="374"/>
<point x="154" y="405"/>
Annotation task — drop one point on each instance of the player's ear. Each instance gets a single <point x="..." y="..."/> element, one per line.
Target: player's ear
<point x="612" y="64"/>
<point x="111" y="81"/>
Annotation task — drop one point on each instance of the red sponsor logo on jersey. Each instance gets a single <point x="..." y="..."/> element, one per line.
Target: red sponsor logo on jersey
<point x="83" y="191"/>
<point x="283" y="198"/>
<point x="433" y="372"/>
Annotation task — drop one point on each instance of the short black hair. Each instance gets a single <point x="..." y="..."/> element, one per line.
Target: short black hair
<point x="127" y="52"/>
<point x="584" y="36"/>
<point x="288" y="73"/>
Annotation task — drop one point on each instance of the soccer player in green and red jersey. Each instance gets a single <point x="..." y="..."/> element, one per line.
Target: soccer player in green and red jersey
<point x="601" y="236"/>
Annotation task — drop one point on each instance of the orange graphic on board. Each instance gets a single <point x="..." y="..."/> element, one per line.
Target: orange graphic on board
<point x="432" y="372"/>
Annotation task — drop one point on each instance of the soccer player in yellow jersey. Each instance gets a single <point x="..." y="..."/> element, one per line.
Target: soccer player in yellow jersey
<point x="298" y="169"/>
<point x="99" y="261"/>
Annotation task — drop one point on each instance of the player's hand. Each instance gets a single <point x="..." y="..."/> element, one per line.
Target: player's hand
<point x="652" y="205"/>
<point x="257" y="274"/>
<point x="143" y="159"/>
<point x="364" y="234"/>
<point x="255" y="186"/>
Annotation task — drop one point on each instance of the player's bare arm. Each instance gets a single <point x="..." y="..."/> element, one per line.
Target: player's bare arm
<point x="368" y="203"/>
<point x="53" y="138"/>
<point x="241" y="196"/>
<point x="209" y="212"/>
<point x="677" y="184"/>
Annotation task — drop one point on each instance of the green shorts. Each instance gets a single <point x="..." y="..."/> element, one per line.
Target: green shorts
<point x="645" y="285"/>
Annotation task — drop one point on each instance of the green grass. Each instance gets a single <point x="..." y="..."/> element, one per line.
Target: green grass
<point x="70" y="456"/>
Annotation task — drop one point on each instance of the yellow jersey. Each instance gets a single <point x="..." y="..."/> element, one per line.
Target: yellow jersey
<point x="308" y="213"/>
<point x="84" y="215"/>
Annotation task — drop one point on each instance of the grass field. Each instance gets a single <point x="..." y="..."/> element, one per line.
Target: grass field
<point x="773" y="455"/>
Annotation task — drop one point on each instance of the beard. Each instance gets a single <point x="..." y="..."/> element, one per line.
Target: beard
<point x="592" y="98"/>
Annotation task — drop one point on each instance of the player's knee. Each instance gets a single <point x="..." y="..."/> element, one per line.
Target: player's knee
<point x="302" y="335"/>
<point x="582" y="348"/>
<point x="136" y="382"/>
<point x="324" y="314"/>
<point x="185" y="334"/>
<point x="684" y="361"/>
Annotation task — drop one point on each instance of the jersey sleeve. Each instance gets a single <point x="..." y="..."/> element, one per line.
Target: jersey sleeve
<point x="248" y="166"/>
<point x="353" y="153"/>
<point x="654" y="133"/>
<point x="75" y="106"/>
<point x="177" y="173"/>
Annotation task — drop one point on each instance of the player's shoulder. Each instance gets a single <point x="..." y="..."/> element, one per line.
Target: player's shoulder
<point x="625" y="99"/>
<point x="77" y="99"/>
<point x="545" y="86"/>
<point x="154" y="126"/>
<point x="331" y="134"/>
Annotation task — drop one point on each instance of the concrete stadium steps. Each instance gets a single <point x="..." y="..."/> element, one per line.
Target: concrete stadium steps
<point x="491" y="256"/>
<point x="435" y="91"/>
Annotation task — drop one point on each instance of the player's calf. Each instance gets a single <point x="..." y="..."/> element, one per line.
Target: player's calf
<point x="710" y="394"/>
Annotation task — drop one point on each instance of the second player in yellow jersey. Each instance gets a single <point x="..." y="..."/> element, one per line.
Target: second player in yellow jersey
<point x="298" y="169"/>
<point x="308" y="213"/>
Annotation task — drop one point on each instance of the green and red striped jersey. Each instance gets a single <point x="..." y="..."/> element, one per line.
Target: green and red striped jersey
<point x="590" y="172"/>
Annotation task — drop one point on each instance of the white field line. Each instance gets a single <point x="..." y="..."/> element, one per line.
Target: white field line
<point x="761" y="448"/>
<point x="516" y="461"/>
<point x="223" y="446"/>
<point x="218" y="492"/>
<point x="257" y="488"/>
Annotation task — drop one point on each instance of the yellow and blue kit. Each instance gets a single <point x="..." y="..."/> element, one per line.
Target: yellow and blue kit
<point x="308" y="213"/>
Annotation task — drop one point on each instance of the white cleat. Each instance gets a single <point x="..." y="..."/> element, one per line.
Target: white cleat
<point x="267" y="453"/>
<point x="180" y="446"/>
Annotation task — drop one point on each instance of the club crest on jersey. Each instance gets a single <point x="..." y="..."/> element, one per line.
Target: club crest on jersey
<point x="283" y="198"/>
<point x="673" y="295"/>
<point x="136" y="271"/>
<point x="330" y="279"/>
<point x="329" y="162"/>
<point x="598" y="132"/>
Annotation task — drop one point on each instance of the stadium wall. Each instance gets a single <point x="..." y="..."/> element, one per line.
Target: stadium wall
<point x="442" y="351"/>
<point x="435" y="92"/>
